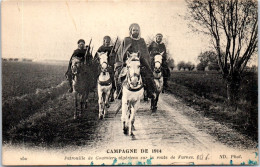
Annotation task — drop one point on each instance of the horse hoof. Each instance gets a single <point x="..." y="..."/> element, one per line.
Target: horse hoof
<point x="154" y="109"/>
<point x="107" y="105"/>
<point x="101" y="117"/>
<point x="111" y="100"/>
<point x="125" y="130"/>
<point x="130" y="132"/>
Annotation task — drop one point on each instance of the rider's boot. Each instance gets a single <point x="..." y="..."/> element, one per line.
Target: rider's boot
<point x="112" y="98"/>
<point x="165" y="84"/>
<point x="145" y="94"/>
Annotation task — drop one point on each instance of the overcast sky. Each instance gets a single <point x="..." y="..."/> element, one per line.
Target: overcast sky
<point x="50" y="30"/>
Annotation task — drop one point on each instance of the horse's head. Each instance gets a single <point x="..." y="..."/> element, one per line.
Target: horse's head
<point x="133" y="68"/>
<point x="158" y="62"/>
<point x="75" y="65"/>
<point x="103" y="61"/>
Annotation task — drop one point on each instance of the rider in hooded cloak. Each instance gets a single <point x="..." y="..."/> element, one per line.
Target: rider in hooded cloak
<point x="134" y="43"/>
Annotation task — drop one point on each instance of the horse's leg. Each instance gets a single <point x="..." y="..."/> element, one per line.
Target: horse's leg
<point x="134" y="109"/>
<point x="76" y="105"/>
<point x="107" y="98"/>
<point x="124" y="112"/>
<point x="159" y="90"/>
<point x="82" y="103"/>
<point x="111" y="95"/>
<point x="86" y="99"/>
<point x="128" y="118"/>
<point x="156" y="100"/>
<point x="152" y="103"/>
<point x="100" y="102"/>
<point x="106" y="102"/>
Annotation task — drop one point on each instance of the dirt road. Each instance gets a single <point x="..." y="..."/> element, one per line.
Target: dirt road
<point x="176" y="133"/>
<point x="171" y="127"/>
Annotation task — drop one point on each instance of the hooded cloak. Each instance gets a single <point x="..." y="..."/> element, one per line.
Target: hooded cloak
<point x="131" y="45"/>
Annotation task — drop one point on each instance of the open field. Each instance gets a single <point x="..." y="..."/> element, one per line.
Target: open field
<point x="20" y="78"/>
<point x="206" y="92"/>
<point x="26" y="87"/>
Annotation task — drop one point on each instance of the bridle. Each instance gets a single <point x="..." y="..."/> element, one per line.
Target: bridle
<point x="76" y="67"/>
<point x="130" y="86"/>
<point x="104" y="71"/>
<point x="157" y="71"/>
<point x="101" y="66"/>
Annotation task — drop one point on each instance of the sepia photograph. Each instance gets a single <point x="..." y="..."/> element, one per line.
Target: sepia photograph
<point x="117" y="82"/>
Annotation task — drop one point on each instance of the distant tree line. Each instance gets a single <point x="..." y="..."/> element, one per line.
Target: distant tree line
<point x="183" y="65"/>
<point x="16" y="59"/>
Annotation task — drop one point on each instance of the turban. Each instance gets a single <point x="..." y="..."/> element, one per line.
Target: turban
<point x="107" y="38"/>
<point x="133" y="25"/>
<point x="159" y="34"/>
<point x="130" y="30"/>
<point x="81" y="40"/>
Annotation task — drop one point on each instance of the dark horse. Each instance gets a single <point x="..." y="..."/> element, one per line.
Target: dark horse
<point x="82" y="84"/>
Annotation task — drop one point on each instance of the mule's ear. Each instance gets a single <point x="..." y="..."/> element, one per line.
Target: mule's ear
<point x="106" y="53"/>
<point x="138" y="54"/>
<point x="128" y="54"/>
<point x="162" y="53"/>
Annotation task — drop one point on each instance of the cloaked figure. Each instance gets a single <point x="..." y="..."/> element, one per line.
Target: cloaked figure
<point x="107" y="48"/>
<point x="81" y="54"/>
<point x="157" y="47"/>
<point x="133" y="44"/>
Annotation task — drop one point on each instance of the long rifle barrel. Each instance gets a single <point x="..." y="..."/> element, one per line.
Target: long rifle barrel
<point x="87" y="50"/>
<point x="113" y="46"/>
<point x="92" y="50"/>
<point x="118" y="48"/>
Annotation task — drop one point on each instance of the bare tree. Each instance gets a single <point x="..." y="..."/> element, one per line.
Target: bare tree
<point x="189" y="66"/>
<point x="181" y="65"/>
<point x="232" y="26"/>
<point x="171" y="64"/>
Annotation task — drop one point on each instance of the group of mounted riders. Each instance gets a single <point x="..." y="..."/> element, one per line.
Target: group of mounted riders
<point x="116" y="61"/>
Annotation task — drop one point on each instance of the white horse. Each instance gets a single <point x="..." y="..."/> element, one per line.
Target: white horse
<point x="132" y="92"/>
<point x="104" y="85"/>
<point x="80" y="84"/>
<point x="158" y="79"/>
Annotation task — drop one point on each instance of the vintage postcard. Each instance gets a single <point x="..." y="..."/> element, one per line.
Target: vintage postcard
<point x="117" y="82"/>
